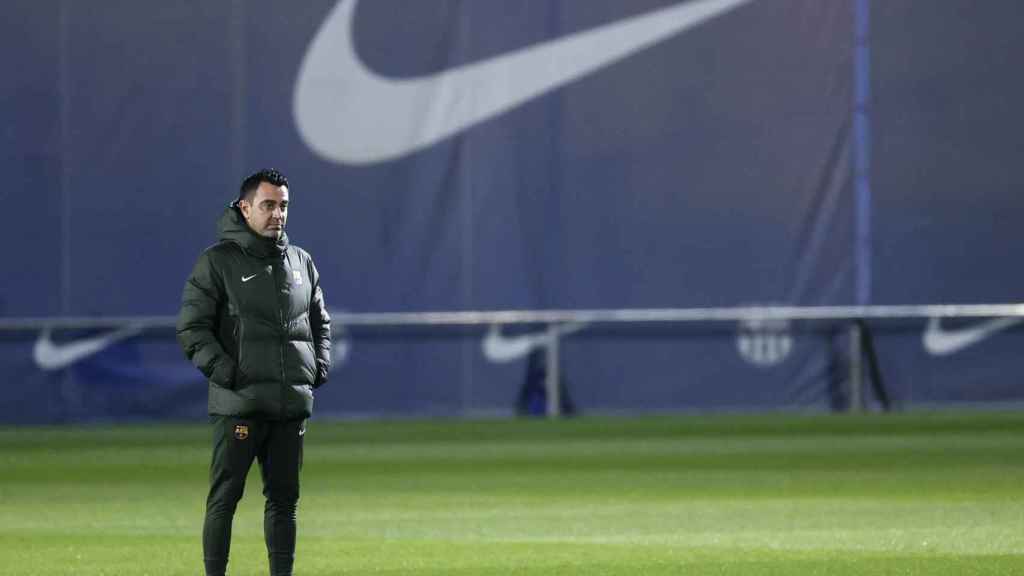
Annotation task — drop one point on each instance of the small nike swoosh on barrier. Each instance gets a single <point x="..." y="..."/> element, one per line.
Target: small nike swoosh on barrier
<point x="939" y="341"/>
<point x="347" y="113"/>
<point x="500" y="348"/>
<point x="49" y="355"/>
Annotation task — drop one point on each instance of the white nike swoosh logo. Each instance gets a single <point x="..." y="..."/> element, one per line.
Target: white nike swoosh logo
<point x="499" y="348"/>
<point x="247" y="278"/>
<point x="51" y="356"/>
<point x="347" y="113"/>
<point x="941" y="342"/>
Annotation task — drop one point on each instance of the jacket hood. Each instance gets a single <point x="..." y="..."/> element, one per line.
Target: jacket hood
<point x="232" y="227"/>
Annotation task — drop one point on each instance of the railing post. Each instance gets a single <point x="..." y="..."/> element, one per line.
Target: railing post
<point x="856" y="369"/>
<point x="554" y="407"/>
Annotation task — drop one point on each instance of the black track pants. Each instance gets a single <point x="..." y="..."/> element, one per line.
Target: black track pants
<point x="278" y="447"/>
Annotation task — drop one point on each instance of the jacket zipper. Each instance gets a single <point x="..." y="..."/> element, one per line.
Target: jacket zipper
<point x="284" y="342"/>
<point x="284" y="381"/>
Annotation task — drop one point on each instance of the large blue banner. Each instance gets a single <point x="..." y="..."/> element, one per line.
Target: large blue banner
<point x="486" y="155"/>
<point x="947" y="191"/>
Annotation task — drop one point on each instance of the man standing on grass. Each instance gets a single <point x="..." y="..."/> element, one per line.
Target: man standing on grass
<point x="253" y="321"/>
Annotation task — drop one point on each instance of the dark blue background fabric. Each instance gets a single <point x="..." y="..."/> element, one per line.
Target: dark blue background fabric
<point x="714" y="168"/>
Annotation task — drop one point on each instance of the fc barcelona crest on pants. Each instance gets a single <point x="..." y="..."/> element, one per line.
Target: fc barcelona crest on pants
<point x="241" y="431"/>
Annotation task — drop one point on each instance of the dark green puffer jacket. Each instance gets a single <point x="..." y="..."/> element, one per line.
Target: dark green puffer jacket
<point x="253" y="321"/>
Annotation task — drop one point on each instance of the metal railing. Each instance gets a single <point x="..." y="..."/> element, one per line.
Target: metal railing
<point x="557" y="320"/>
<point x="628" y="315"/>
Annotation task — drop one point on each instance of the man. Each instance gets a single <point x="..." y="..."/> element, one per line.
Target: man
<point x="253" y="321"/>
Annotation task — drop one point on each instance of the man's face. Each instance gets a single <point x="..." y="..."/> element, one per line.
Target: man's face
<point x="267" y="212"/>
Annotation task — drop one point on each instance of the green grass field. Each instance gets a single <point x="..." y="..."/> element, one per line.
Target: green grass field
<point x="937" y="493"/>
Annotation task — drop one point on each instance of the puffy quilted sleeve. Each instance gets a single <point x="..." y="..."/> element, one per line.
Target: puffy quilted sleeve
<point x="197" y="323"/>
<point x="320" y="322"/>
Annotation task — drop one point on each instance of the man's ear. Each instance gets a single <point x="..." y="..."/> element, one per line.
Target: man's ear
<point x="245" y="206"/>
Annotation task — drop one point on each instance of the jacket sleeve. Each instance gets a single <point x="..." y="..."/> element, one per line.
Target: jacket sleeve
<point x="197" y="324"/>
<point x="320" y="322"/>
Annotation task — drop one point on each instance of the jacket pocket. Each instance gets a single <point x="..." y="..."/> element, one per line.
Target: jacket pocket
<point x="259" y="351"/>
<point x="239" y="337"/>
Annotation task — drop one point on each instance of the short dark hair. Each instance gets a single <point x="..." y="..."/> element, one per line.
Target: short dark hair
<point x="252" y="182"/>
